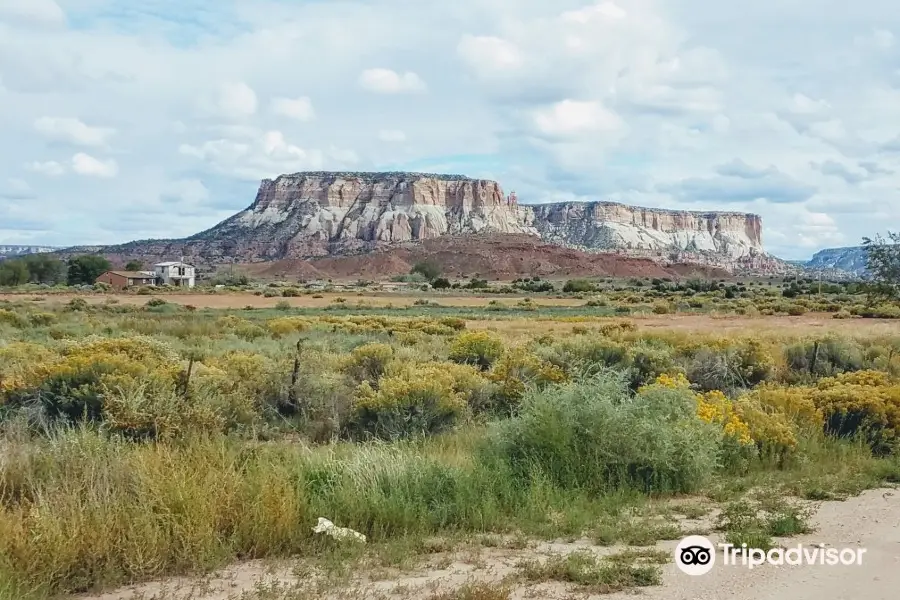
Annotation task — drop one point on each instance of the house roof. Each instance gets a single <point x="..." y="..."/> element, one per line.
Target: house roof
<point x="172" y="264"/>
<point x="133" y="274"/>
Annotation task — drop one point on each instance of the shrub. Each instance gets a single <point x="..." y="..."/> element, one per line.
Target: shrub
<point x="287" y="325"/>
<point x="755" y="364"/>
<point x="515" y="371"/>
<point x="8" y="317"/>
<point x="428" y="269"/>
<point x="290" y="293"/>
<point x="863" y="403"/>
<point x="587" y="354"/>
<point x="153" y="302"/>
<point x="283" y="305"/>
<point x="419" y="400"/>
<point x="774" y="433"/>
<point x="648" y="361"/>
<point x="579" y="286"/>
<point x="795" y="310"/>
<point x="795" y="403"/>
<point x="73" y="385"/>
<point x="824" y="357"/>
<point x="77" y="305"/>
<point x="661" y="309"/>
<point x="881" y="311"/>
<point x="588" y="435"/>
<point x="454" y="323"/>
<point x="441" y="283"/>
<point x="478" y="348"/>
<point x="713" y="369"/>
<point x="369" y="362"/>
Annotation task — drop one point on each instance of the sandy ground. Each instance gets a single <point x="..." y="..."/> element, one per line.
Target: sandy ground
<point x="870" y="521"/>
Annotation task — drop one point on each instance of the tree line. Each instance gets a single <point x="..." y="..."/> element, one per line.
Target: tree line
<point x="49" y="270"/>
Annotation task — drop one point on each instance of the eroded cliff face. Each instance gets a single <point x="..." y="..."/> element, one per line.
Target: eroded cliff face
<point x="314" y="214"/>
<point x="322" y="213"/>
<point x="611" y="226"/>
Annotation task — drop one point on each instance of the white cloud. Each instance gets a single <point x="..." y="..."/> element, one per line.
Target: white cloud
<point x="50" y="168"/>
<point x="572" y="118"/>
<point x="43" y="12"/>
<point x="386" y="81"/>
<point x="17" y="189"/>
<point x="236" y="100"/>
<point x="391" y="135"/>
<point x="299" y="109"/>
<point x="266" y="155"/>
<point x="587" y="99"/>
<point x="87" y="165"/>
<point x="187" y="191"/>
<point x="73" y="131"/>
<point x="489" y="55"/>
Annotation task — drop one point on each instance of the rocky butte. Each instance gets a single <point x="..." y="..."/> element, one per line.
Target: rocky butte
<point x="314" y="214"/>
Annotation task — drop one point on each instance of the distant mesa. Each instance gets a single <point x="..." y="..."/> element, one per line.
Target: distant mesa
<point x="10" y="251"/>
<point x="323" y="213"/>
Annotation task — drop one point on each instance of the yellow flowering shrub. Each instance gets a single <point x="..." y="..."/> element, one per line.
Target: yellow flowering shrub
<point x="755" y="363"/>
<point x="74" y="381"/>
<point x="666" y="380"/>
<point x="794" y="402"/>
<point x="369" y="361"/>
<point x="9" y="317"/>
<point x="287" y="325"/>
<point x="362" y="324"/>
<point x="17" y="361"/>
<point x="714" y="407"/>
<point x="478" y="348"/>
<point x="517" y="369"/>
<point x="773" y="432"/>
<point x="419" y="399"/>
<point x="863" y="402"/>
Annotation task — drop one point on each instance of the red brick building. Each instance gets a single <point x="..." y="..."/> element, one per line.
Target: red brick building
<point x="122" y="279"/>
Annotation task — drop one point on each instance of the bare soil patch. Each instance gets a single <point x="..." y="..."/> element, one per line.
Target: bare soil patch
<point x="496" y="257"/>
<point x="871" y="521"/>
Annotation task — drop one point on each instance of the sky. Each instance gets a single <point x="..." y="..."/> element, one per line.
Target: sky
<point x="133" y="119"/>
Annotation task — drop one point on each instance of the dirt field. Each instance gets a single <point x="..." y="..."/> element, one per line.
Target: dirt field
<point x="870" y="521"/>
<point x="812" y="322"/>
<point x="242" y="300"/>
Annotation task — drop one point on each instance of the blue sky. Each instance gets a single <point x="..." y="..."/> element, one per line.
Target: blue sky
<point x="128" y="119"/>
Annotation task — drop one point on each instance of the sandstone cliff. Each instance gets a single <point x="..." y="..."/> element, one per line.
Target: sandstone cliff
<point x="322" y="213"/>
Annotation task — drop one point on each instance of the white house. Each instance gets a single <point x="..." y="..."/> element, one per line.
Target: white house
<point x="176" y="274"/>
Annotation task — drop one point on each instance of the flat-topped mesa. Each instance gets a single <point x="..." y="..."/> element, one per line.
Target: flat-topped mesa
<point x="316" y="213"/>
<point x="612" y="226"/>
<point x="309" y="214"/>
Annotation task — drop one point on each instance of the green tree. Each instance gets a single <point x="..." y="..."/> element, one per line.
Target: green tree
<point x="134" y="265"/>
<point x="883" y="263"/>
<point x="427" y="269"/>
<point x="13" y="272"/>
<point x="85" y="269"/>
<point x="43" y="268"/>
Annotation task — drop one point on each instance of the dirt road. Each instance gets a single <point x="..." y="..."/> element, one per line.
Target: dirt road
<point x="870" y="521"/>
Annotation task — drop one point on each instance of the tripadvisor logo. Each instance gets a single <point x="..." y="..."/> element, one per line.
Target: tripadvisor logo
<point x="696" y="555"/>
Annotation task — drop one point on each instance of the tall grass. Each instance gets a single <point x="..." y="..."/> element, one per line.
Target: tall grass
<point x="79" y="510"/>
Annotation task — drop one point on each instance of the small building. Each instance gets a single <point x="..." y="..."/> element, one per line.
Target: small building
<point x="176" y="274"/>
<point x="123" y="279"/>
